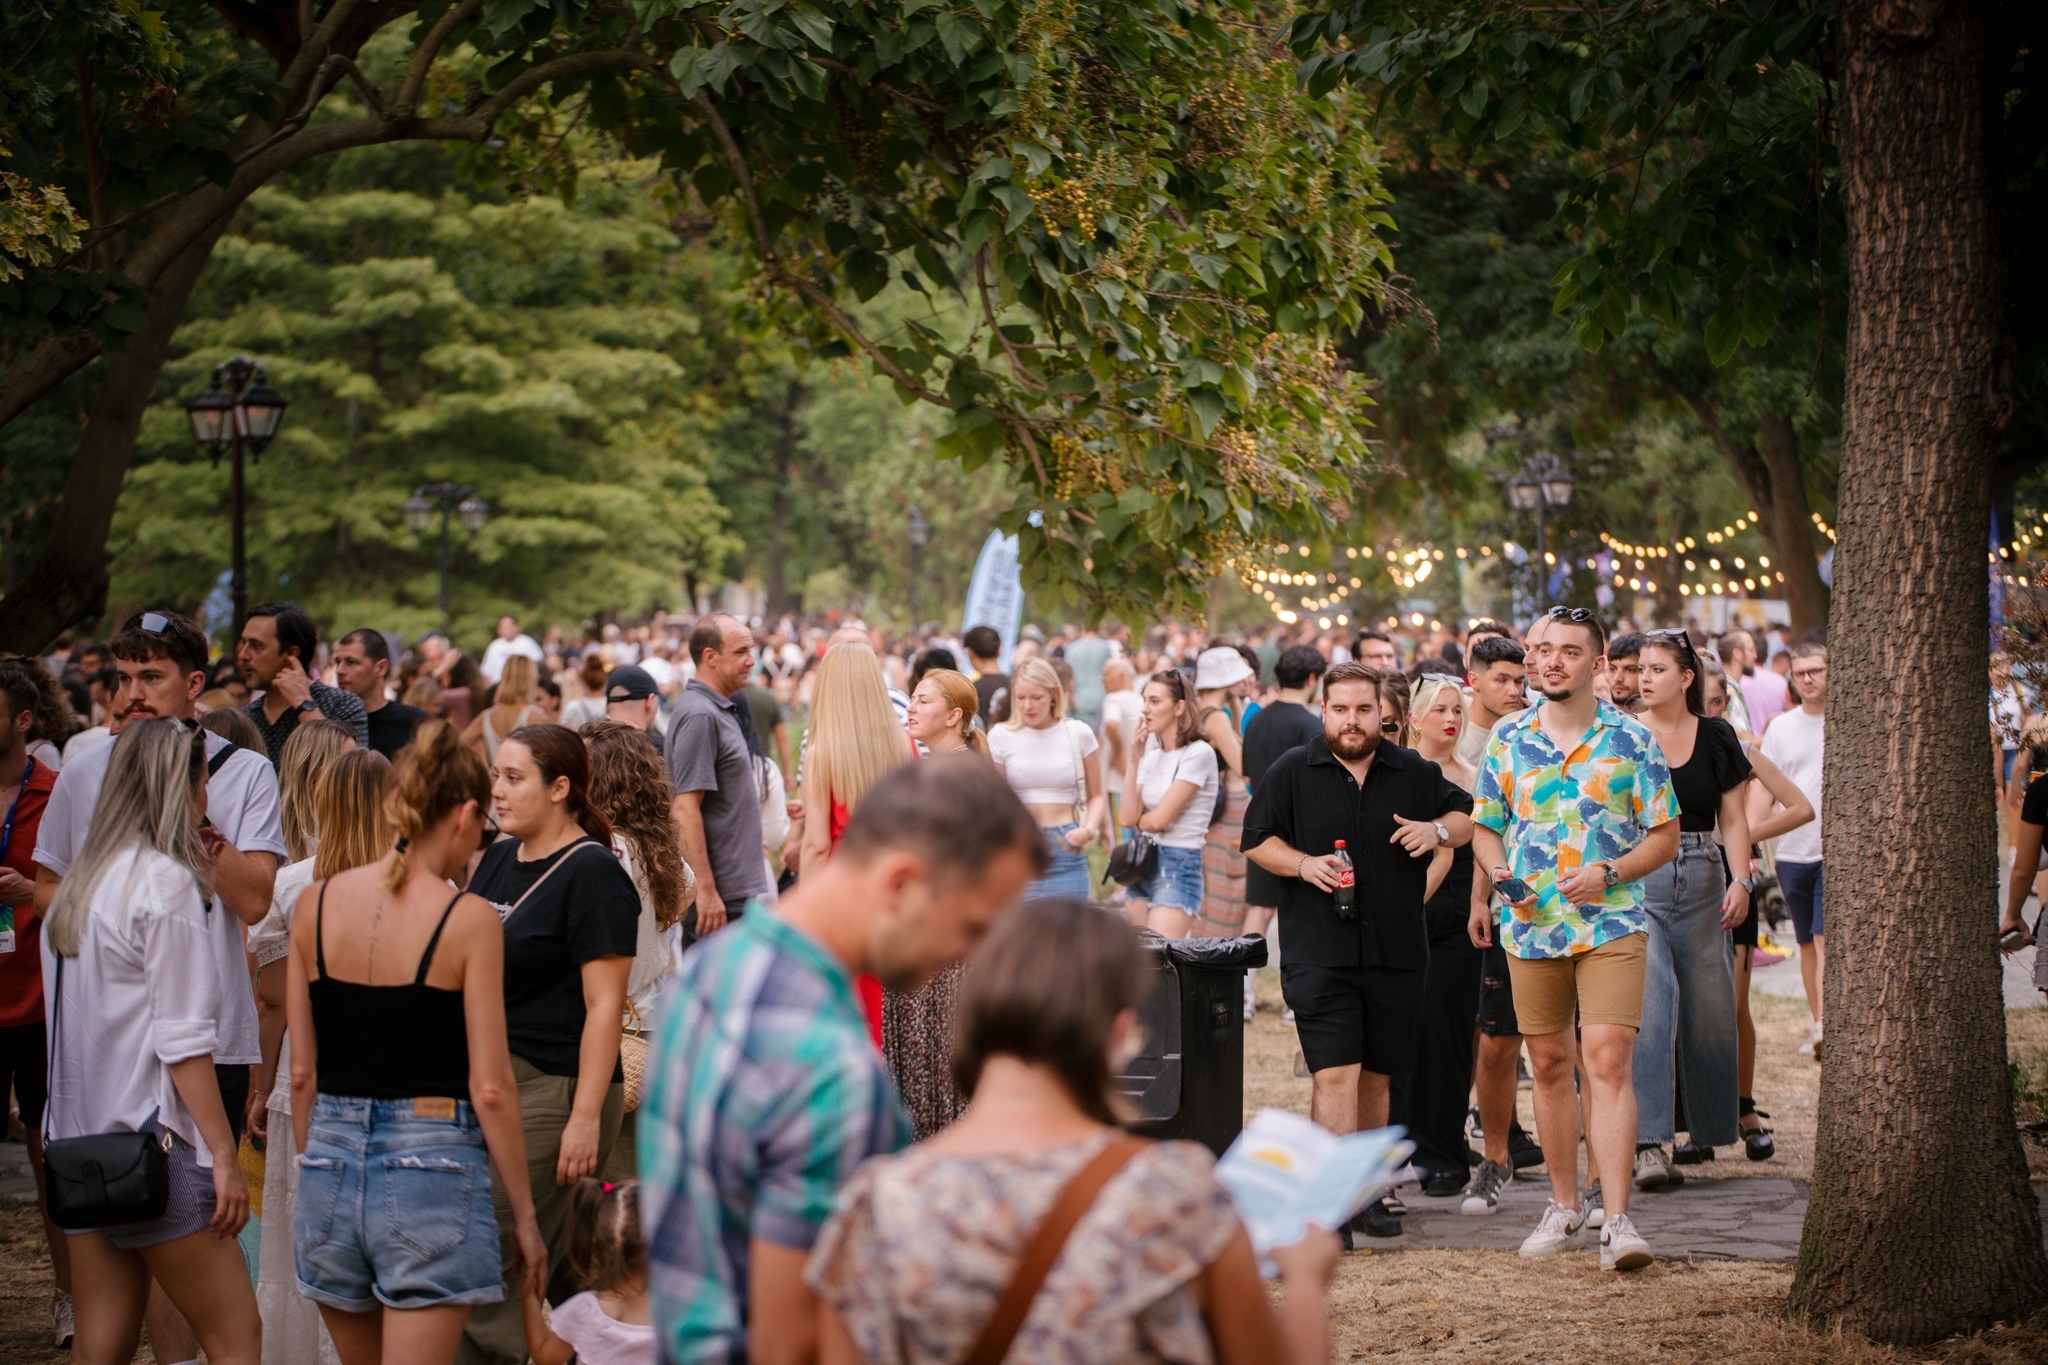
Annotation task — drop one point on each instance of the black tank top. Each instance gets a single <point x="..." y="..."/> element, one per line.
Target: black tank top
<point x="388" y="1042"/>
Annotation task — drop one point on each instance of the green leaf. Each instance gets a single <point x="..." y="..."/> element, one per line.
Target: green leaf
<point x="1207" y="406"/>
<point x="867" y="272"/>
<point x="815" y="26"/>
<point x="960" y="34"/>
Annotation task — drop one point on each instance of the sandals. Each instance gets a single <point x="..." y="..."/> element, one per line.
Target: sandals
<point x="1756" y="1142"/>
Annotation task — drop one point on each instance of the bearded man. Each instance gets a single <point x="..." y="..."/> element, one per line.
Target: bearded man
<point x="1354" y="979"/>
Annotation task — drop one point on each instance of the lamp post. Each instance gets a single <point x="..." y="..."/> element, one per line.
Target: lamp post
<point x="1541" y="483"/>
<point x="238" y="412"/>
<point x="918" y="532"/>
<point x="448" y="498"/>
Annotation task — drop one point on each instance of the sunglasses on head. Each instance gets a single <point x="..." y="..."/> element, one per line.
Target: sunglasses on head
<point x="1578" y="616"/>
<point x="157" y="625"/>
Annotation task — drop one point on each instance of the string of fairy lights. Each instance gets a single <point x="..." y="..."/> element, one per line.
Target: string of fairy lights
<point x="1294" y="589"/>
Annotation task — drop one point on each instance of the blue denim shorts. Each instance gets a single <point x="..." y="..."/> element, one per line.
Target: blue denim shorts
<point x="1178" y="882"/>
<point x="395" y="1207"/>
<point x="1067" y="872"/>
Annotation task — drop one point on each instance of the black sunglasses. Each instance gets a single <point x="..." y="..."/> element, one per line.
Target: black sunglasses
<point x="1578" y="616"/>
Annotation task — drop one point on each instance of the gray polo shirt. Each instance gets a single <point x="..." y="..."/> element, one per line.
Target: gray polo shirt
<point x="706" y="753"/>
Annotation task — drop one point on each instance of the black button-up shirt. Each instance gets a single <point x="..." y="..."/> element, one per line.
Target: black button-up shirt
<point x="1310" y="800"/>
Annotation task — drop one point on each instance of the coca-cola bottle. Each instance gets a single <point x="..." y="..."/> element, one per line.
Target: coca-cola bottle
<point x="1347" y="884"/>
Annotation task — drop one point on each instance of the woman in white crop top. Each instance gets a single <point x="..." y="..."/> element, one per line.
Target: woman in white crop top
<point x="1052" y="765"/>
<point x="1170" y="784"/>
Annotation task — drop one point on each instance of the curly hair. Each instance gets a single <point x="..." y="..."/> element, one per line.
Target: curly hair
<point x="54" y="720"/>
<point x="631" y="788"/>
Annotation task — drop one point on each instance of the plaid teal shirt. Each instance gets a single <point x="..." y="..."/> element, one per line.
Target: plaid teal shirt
<point x="765" y="1093"/>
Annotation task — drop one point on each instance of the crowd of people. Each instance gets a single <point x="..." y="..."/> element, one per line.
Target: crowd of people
<point x="708" y="989"/>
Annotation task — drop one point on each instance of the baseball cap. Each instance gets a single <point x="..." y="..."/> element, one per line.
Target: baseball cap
<point x="629" y="682"/>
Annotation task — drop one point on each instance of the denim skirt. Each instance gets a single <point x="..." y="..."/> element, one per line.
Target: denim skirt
<point x="1178" y="882"/>
<point x="1067" y="874"/>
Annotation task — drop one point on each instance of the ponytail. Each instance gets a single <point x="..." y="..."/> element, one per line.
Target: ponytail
<point x="434" y="774"/>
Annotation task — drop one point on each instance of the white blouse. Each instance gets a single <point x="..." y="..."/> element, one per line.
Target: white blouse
<point x="141" y="995"/>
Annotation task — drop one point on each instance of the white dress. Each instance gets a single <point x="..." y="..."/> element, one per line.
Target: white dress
<point x="292" y="1330"/>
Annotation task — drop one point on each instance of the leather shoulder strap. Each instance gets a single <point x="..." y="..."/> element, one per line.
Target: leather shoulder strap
<point x="1039" y="1258"/>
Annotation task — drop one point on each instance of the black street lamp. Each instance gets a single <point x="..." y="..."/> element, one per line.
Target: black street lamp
<point x="919" y="532"/>
<point x="239" y="411"/>
<point x="457" y="498"/>
<point x="1541" y="483"/>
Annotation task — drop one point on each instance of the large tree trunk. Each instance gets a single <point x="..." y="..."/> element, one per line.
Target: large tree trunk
<point x="1921" y="1223"/>
<point x="68" y="580"/>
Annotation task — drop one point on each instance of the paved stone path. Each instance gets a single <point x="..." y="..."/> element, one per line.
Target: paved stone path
<point x="1741" y="1219"/>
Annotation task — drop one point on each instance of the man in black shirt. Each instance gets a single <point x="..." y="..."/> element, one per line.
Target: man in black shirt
<point x="362" y="663"/>
<point x="1284" y="723"/>
<point x="1355" y="984"/>
<point x="984" y="647"/>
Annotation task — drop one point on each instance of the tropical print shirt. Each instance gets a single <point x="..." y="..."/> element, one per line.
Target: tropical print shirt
<point x="763" y="1095"/>
<point x="1559" y="811"/>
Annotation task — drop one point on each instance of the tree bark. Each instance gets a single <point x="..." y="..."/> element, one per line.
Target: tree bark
<point x="1915" y="1112"/>
<point x="68" y="580"/>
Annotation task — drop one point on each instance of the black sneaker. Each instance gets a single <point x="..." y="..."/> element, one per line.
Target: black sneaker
<point x="1374" y="1220"/>
<point x="1473" y="1128"/>
<point x="1523" y="1150"/>
<point x="1482" y="1192"/>
<point x="1442" y="1184"/>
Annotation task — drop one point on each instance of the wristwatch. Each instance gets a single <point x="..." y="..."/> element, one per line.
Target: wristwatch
<point x="1608" y="874"/>
<point x="307" y="705"/>
<point x="1747" y="884"/>
<point x="1443" y="836"/>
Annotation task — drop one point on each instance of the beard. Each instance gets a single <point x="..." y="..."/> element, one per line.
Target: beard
<point x="1352" y="744"/>
<point x="1626" y="701"/>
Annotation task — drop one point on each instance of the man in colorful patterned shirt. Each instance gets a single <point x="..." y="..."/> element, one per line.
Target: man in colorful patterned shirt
<point x="1575" y="800"/>
<point x="765" y="1092"/>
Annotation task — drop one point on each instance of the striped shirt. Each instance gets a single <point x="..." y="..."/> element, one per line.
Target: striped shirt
<point x="764" y="1095"/>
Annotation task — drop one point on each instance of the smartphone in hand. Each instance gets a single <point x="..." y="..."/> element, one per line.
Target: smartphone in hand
<point x="1513" y="889"/>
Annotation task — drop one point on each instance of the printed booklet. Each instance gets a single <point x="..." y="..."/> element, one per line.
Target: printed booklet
<point x="1285" y="1172"/>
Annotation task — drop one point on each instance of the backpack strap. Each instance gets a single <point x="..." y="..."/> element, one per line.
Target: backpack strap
<point x="228" y="749"/>
<point x="993" y="1344"/>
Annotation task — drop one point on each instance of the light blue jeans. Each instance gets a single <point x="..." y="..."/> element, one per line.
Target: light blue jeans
<point x="1688" y="1032"/>
<point x="1067" y="875"/>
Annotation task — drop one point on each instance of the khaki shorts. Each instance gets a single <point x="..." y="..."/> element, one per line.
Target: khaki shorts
<point x="1606" y="985"/>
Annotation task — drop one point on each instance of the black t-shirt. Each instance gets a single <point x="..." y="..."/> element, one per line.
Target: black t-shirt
<point x="1310" y="800"/>
<point x="586" y="911"/>
<point x="1277" y="728"/>
<point x="391" y="727"/>
<point x="994" y="691"/>
<point x="2034" y="810"/>
<point x="1717" y="765"/>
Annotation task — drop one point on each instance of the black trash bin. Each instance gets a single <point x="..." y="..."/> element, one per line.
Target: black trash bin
<point x="1187" y="1081"/>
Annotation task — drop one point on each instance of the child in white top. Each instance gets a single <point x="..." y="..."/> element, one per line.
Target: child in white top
<point x="607" y="1324"/>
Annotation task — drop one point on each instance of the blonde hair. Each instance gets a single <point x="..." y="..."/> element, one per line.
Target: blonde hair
<point x="434" y="774"/>
<point x="1040" y="674"/>
<point x="1420" y="698"/>
<point x="854" y="738"/>
<point x="348" y="811"/>
<point x="956" y="689"/>
<point x="518" y="684"/>
<point x="148" y="796"/>
<point x="311" y="750"/>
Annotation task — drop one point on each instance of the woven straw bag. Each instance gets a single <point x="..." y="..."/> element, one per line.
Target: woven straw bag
<point x="633" y="1058"/>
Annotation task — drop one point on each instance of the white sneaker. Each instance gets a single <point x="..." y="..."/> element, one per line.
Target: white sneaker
<point x="63" y="1318"/>
<point x="1621" y="1246"/>
<point x="1554" y="1234"/>
<point x="1811" y="1047"/>
<point x="1592" y="1206"/>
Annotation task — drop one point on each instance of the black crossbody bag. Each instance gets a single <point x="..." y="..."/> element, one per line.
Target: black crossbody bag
<point x="103" y="1179"/>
